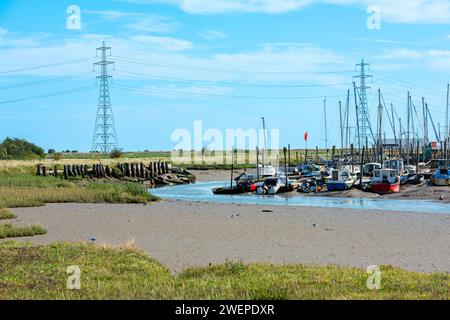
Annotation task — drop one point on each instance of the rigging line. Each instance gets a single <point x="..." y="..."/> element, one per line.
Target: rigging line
<point x="206" y="69"/>
<point x="233" y="84"/>
<point x="44" y="66"/>
<point x="49" y="95"/>
<point x="391" y="121"/>
<point x="171" y="92"/>
<point x="41" y="82"/>
<point x="417" y="116"/>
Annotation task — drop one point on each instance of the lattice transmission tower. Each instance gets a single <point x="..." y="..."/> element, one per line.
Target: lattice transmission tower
<point x="105" y="135"/>
<point x="363" y="110"/>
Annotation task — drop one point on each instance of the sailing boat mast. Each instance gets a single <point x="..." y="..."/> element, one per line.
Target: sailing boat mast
<point x="326" y="131"/>
<point x="265" y="144"/>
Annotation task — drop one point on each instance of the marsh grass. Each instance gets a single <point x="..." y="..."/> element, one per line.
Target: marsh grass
<point x="10" y="231"/>
<point x="5" y="214"/>
<point x="39" y="272"/>
<point x="22" y="190"/>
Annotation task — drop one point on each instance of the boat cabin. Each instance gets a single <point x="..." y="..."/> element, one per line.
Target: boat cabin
<point x="395" y="164"/>
<point x="389" y="176"/>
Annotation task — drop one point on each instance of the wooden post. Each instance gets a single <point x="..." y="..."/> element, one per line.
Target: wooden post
<point x="362" y="165"/>
<point x="141" y="170"/>
<point x="417" y="154"/>
<point x="44" y="171"/>
<point x="289" y="154"/>
<point x="38" y="170"/>
<point x="55" y="171"/>
<point x="66" y="175"/>
<point x="351" y="156"/>
<point x="317" y="154"/>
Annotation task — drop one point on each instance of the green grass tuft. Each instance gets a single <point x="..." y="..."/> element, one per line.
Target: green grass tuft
<point x="5" y="214"/>
<point x="10" y="231"/>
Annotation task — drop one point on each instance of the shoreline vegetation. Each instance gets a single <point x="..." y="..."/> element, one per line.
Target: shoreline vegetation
<point x="39" y="272"/>
<point x="24" y="190"/>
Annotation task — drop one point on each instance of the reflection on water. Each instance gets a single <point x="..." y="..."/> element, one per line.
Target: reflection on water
<point x="202" y="192"/>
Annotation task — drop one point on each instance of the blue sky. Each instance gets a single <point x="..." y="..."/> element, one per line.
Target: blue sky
<point x="234" y="61"/>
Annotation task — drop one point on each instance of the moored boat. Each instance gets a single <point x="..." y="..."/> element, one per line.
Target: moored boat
<point x="340" y="180"/>
<point x="385" y="181"/>
<point x="441" y="177"/>
<point x="270" y="186"/>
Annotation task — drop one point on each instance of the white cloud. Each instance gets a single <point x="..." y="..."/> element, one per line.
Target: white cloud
<point x="211" y="35"/>
<point x="397" y="11"/>
<point x="164" y="43"/>
<point x="111" y="14"/>
<point x="154" y="23"/>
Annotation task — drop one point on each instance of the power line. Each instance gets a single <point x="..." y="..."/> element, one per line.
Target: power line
<point x="230" y="84"/>
<point x="408" y="85"/>
<point x="44" y="66"/>
<point x="207" y="69"/>
<point x="184" y="93"/>
<point x="43" y="82"/>
<point x="49" y="95"/>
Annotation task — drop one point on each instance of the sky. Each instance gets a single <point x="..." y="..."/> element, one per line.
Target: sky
<point x="226" y="63"/>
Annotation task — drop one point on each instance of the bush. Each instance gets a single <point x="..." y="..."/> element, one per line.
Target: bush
<point x="116" y="153"/>
<point x="57" y="156"/>
<point x="20" y="149"/>
<point x="51" y="151"/>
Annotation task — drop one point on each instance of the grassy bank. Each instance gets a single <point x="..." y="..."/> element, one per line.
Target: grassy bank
<point x="39" y="272"/>
<point x="23" y="190"/>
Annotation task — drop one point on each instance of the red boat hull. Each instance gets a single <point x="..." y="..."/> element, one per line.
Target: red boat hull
<point x="383" y="188"/>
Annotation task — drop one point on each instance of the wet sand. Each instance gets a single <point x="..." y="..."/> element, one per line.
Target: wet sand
<point x="187" y="234"/>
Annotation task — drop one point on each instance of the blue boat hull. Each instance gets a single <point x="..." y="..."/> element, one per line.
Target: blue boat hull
<point x="336" y="186"/>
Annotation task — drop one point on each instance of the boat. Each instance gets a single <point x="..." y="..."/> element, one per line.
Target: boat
<point x="309" y="170"/>
<point x="236" y="189"/>
<point x="399" y="167"/>
<point x="244" y="183"/>
<point x="385" y="181"/>
<point x="269" y="186"/>
<point x="340" y="180"/>
<point x="369" y="167"/>
<point x="442" y="176"/>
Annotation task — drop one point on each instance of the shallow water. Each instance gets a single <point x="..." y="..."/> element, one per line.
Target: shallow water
<point x="202" y="192"/>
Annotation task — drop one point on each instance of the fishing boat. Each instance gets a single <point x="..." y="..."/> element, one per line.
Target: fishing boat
<point x="243" y="187"/>
<point x="270" y="186"/>
<point x="340" y="180"/>
<point x="399" y="167"/>
<point x="369" y="167"/>
<point x="385" y="181"/>
<point x="442" y="176"/>
<point x="243" y="183"/>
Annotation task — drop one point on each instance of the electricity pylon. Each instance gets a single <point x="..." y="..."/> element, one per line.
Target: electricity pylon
<point x="363" y="110"/>
<point x="105" y="135"/>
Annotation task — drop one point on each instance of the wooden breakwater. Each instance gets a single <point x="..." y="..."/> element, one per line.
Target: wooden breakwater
<point x="152" y="173"/>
